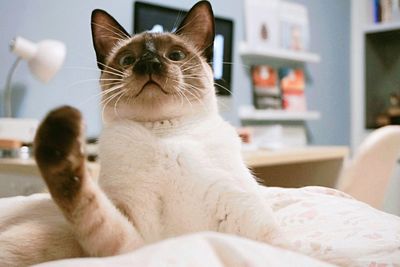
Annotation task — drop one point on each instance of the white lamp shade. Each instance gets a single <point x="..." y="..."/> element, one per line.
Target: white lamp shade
<point x="44" y="58"/>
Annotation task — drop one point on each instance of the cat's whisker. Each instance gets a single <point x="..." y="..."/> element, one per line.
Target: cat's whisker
<point x="191" y="67"/>
<point x="106" y="94"/>
<point x="181" y="98"/>
<point x="189" y="60"/>
<point x="122" y="75"/>
<point x="195" y="97"/>
<point x="106" y="98"/>
<point x="116" y="105"/>
<point x="101" y="94"/>
<point x="119" y="30"/>
<point x="177" y="20"/>
<point x="89" y="80"/>
<point x="106" y="102"/>
<point x="197" y="53"/>
<point x="122" y="36"/>
<point x="190" y="103"/>
<point x="113" y="37"/>
<point x="103" y="85"/>
<point x="187" y="23"/>
<point x="223" y="87"/>
<point x="108" y="91"/>
<point x="111" y="68"/>
<point x="110" y="79"/>
<point x="233" y="63"/>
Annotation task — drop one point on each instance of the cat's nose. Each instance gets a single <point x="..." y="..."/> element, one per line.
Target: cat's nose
<point x="149" y="63"/>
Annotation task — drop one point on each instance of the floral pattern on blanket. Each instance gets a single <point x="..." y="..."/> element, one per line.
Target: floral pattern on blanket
<point x="332" y="226"/>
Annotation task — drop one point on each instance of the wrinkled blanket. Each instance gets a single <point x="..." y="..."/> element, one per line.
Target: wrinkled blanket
<point x="326" y="227"/>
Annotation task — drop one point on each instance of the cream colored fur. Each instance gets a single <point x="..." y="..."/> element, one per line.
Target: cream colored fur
<point x="167" y="169"/>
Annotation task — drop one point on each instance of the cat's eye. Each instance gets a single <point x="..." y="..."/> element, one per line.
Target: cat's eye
<point x="127" y="60"/>
<point x="176" y="55"/>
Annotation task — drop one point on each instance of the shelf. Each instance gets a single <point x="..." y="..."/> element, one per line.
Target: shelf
<point x="250" y="113"/>
<point x="275" y="56"/>
<point x="382" y="27"/>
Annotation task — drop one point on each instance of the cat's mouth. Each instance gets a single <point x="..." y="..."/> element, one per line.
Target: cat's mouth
<point x="151" y="85"/>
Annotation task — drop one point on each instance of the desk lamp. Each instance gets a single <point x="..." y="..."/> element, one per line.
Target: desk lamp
<point x="44" y="60"/>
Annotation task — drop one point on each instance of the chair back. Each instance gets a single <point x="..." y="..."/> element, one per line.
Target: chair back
<point x="367" y="174"/>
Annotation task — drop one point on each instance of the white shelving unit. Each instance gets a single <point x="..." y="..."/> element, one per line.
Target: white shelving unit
<point x="382" y="27"/>
<point x="250" y="113"/>
<point x="277" y="126"/>
<point x="275" y="56"/>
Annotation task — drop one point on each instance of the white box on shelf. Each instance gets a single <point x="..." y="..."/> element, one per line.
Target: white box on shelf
<point x="20" y="129"/>
<point x="294" y="26"/>
<point x="262" y="23"/>
<point x="252" y="114"/>
<point x="276" y="136"/>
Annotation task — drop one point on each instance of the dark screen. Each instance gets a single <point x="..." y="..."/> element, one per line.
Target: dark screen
<point x="153" y="17"/>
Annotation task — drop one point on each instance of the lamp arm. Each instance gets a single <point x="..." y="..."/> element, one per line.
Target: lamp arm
<point x="8" y="91"/>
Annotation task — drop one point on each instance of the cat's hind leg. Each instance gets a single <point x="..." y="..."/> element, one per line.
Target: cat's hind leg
<point x="99" y="226"/>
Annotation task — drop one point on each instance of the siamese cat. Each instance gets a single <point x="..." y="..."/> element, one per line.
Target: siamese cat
<point x="170" y="165"/>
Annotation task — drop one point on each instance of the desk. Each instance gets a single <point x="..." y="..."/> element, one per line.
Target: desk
<point x="293" y="167"/>
<point x="297" y="167"/>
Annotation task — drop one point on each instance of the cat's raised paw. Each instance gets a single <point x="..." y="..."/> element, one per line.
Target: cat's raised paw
<point x="59" y="152"/>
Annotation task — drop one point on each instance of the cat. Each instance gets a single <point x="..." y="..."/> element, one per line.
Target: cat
<point x="170" y="165"/>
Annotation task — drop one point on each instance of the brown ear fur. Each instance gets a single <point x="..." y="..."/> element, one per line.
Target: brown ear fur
<point x="106" y="32"/>
<point x="199" y="27"/>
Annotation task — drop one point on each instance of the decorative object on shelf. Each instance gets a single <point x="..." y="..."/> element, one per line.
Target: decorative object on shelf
<point x="266" y="92"/>
<point x="44" y="60"/>
<point x="391" y="116"/>
<point x="292" y="83"/>
<point x="262" y="23"/>
<point x="294" y="26"/>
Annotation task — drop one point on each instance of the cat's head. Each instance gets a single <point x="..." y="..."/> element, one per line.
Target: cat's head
<point x="156" y="76"/>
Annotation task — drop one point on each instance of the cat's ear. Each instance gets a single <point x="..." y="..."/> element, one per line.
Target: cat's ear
<point x="106" y="33"/>
<point x="199" y="28"/>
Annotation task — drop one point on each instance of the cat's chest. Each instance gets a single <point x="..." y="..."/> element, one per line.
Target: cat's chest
<point x="142" y="155"/>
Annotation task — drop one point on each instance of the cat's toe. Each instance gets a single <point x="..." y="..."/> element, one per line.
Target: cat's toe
<point x="59" y="151"/>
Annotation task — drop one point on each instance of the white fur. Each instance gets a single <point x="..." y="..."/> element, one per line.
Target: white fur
<point x="180" y="176"/>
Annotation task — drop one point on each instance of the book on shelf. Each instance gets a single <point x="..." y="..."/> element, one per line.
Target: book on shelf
<point x="385" y="10"/>
<point x="266" y="91"/>
<point x="278" y="89"/>
<point x="292" y="84"/>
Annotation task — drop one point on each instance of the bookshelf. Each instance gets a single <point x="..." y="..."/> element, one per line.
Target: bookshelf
<point x="283" y="127"/>
<point x="275" y="57"/>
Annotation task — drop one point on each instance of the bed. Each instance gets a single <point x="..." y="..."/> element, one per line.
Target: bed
<point x="326" y="228"/>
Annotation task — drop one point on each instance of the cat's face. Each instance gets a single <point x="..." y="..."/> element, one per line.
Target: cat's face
<point x="156" y="76"/>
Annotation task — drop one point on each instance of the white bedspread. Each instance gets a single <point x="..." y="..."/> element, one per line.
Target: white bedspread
<point x="325" y="227"/>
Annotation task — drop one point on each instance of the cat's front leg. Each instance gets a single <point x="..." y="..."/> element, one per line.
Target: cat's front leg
<point x="247" y="215"/>
<point x="59" y="151"/>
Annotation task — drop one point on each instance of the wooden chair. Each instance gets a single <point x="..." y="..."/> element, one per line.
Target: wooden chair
<point x="366" y="176"/>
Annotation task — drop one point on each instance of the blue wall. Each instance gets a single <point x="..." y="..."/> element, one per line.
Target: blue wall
<point x="76" y="84"/>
